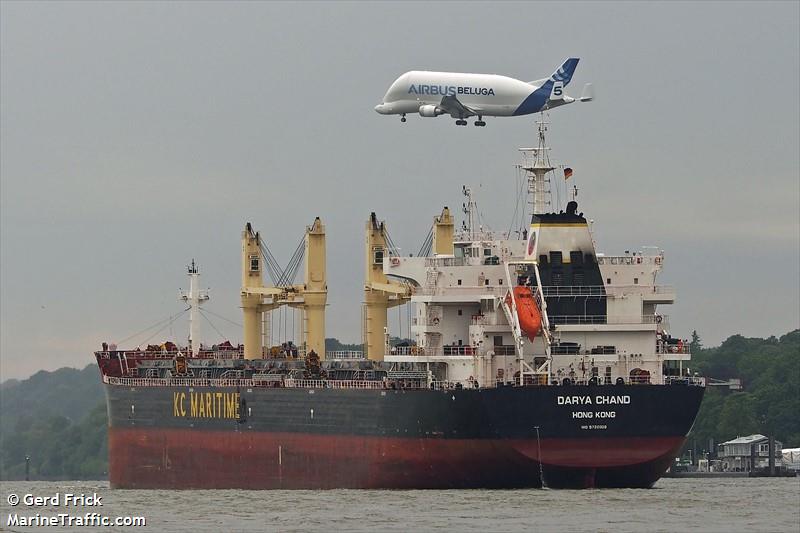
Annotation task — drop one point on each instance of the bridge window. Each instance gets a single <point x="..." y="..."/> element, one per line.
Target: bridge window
<point x="635" y="281"/>
<point x="253" y="263"/>
<point x="377" y="255"/>
<point x="555" y="258"/>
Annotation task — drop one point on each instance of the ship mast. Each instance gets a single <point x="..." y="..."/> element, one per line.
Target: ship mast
<point x="194" y="297"/>
<point x="537" y="165"/>
<point x="470" y="209"/>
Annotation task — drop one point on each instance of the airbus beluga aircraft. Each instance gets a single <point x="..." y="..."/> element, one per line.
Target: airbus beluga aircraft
<point x="463" y="95"/>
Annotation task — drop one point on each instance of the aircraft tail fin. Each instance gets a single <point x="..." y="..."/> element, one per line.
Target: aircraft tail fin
<point x="565" y="71"/>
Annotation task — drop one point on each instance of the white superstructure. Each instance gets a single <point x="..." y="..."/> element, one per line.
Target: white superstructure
<point x="601" y="314"/>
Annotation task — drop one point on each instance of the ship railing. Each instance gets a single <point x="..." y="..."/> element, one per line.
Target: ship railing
<point x="425" y="321"/>
<point x="177" y="382"/>
<point x="622" y="290"/>
<point x="681" y="347"/>
<point x="344" y="354"/>
<point x="445" y="261"/>
<point x="481" y="320"/>
<point x="262" y="378"/>
<point x="637" y="259"/>
<point x="407" y="350"/>
<point x="408" y="374"/>
<point x="573" y="290"/>
<point x="480" y="235"/>
<point x="488" y="320"/>
<point x="696" y="381"/>
<point x="453" y="384"/>
<point x="601" y="291"/>
<point x="144" y="354"/>
<point x="475" y="320"/>
<point x="462" y="290"/>
<point x="333" y="384"/>
<point x="606" y="319"/>
<point x="503" y="349"/>
<point x="433" y="352"/>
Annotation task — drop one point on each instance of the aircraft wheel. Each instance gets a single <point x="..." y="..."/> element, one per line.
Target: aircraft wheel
<point x="403" y="118"/>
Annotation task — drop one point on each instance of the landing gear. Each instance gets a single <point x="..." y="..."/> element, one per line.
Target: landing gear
<point x="403" y="117"/>
<point x="461" y="122"/>
<point x="480" y="122"/>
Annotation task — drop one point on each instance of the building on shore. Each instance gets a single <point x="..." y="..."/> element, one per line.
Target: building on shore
<point x="750" y="453"/>
<point x="791" y="459"/>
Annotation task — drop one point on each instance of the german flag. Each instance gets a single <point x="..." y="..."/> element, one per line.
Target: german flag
<point x="567" y="173"/>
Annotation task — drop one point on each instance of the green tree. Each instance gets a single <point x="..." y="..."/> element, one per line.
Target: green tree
<point x="695" y="345"/>
<point x="738" y="416"/>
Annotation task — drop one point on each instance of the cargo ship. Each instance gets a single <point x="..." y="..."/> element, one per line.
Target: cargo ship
<point x="533" y="361"/>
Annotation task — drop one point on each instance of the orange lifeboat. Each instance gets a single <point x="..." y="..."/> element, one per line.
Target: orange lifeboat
<point x="530" y="318"/>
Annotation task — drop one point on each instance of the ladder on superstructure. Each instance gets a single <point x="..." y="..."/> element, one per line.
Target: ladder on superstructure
<point x="431" y="279"/>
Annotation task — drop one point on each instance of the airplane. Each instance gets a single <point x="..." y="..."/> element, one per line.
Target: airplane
<point x="463" y="95"/>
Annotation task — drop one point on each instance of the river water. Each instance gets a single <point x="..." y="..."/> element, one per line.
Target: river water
<point x="740" y="504"/>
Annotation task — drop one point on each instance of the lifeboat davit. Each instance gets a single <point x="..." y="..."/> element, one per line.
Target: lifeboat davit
<point x="530" y="317"/>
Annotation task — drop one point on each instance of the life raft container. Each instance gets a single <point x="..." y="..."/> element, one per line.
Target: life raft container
<point x="530" y="317"/>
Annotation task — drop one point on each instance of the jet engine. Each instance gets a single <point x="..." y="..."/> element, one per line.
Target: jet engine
<point x="430" y="111"/>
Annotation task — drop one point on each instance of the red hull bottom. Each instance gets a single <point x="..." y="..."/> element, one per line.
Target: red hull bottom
<point x="177" y="458"/>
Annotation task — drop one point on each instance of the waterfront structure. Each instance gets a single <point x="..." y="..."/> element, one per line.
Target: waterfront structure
<point x="748" y="454"/>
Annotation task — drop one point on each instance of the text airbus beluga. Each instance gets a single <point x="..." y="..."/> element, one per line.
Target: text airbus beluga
<point x="463" y="95"/>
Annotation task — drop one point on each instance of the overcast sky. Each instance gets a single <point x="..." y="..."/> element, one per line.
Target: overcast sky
<point x="138" y="136"/>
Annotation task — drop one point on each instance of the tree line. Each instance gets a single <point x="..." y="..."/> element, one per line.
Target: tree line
<point x="769" y="402"/>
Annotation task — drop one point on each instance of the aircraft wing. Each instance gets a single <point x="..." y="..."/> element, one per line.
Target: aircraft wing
<point x="456" y="109"/>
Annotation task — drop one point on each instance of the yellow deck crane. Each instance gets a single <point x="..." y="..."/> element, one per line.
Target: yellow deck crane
<point x="380" y="293"/>
<point x="311" y="296"/>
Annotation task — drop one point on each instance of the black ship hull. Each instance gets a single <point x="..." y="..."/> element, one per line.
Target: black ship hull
<point x="505" y="437"/>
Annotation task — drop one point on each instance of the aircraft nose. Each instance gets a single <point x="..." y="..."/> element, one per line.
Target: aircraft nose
<point x="381" y="108"/>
